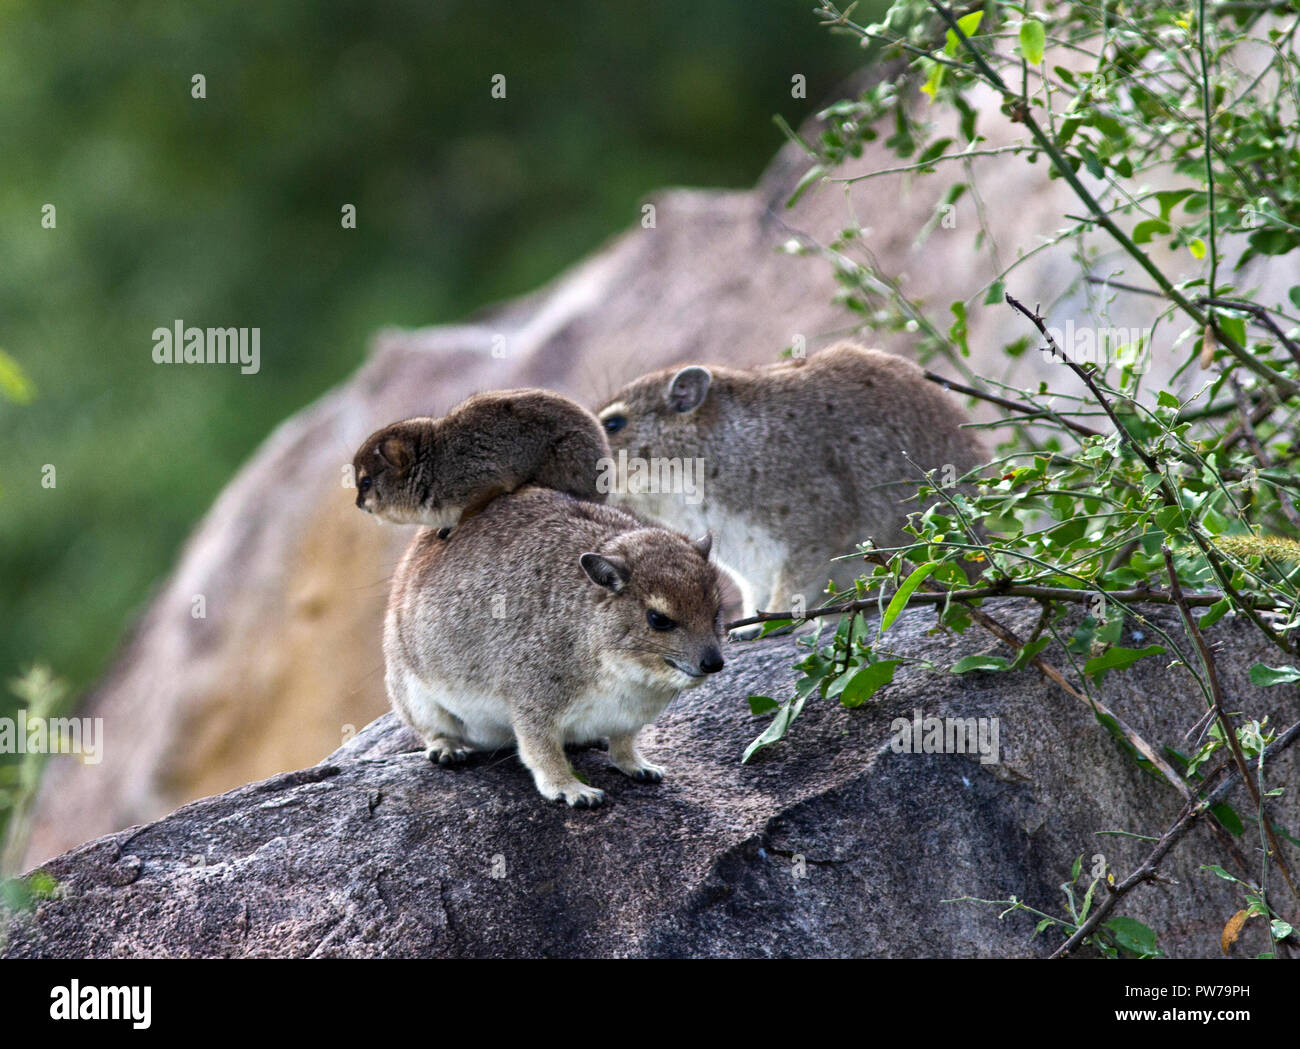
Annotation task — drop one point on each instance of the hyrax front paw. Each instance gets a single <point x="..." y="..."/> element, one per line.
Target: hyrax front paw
<point x="444" y="751"/>
<point x="578" y="795"/>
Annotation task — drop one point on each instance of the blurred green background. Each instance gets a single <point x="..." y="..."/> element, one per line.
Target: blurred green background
<point x="226" y="211"/>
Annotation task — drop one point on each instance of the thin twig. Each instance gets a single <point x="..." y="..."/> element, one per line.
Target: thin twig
<point x="1134" y="595"/>
<point x="1225" y="721"/>
<point x="1086" y="375"/>
<point x="1010" y="405"/>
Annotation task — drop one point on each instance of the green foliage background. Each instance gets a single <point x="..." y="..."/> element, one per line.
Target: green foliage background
<point x="226" y="212"/>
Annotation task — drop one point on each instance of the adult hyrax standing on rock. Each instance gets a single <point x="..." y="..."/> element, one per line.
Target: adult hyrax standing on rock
<point x="436" y="471"/>
<point x="801" y="460"/>
<point x="544" y="620"/>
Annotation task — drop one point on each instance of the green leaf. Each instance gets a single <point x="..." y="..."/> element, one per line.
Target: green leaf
<point x="1197" y="247"/>
<point x="1263" y="675"/>
<point x="996" y="290"/>
<point x="1028" y="651"/>
<point x="934" y="81"/>
<point x="1032" y="39"/>
<point x="968" y="115"/>
<point x="776" y="730"/>
<point x="1226" y="815"/>
<point x="1108" y="126"/>
<point x="763" y="705"/>
<point x="1294" y="296"/>
<point x="899" y="600"/>
<point x="810" y="176"/>
<point x="771" y="626"/>
<point x="1087" y="902"/>
<point x="1144" y="231"/>
<point x="970" y="663"/>
<point x="868" y="681"/>
<point x="1093" y="165"/>
<point x="1214" y="868"/>
<point x="934" y="151"/>
<point x="1132" y="935"/>
<point x="957" y="333"/>
<point x="1117" y="658"/>
<point x="967" y="24"/>
<point x="1170" y="520"/>
<point x="1217" y="611"/>
<point x="1233" y="327"/>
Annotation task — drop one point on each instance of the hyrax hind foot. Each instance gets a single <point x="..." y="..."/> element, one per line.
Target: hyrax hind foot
<point x="628" y="760"/>
<point x="446" y="751"/>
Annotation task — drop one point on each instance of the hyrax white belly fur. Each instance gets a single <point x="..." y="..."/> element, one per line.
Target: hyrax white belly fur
<point x="801" y="460"/>
<point x="544" y="620"/>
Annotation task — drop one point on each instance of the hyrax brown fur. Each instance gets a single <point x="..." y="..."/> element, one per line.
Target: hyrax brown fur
<point x="437" y="471"/>
<point x="544" y="620"/>
<point x="802" y="460"/>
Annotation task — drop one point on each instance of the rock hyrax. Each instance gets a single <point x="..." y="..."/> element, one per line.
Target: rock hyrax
<point x="434" y="471"/>
<point x="544" y="620"/>
<point x="802" y="460"/>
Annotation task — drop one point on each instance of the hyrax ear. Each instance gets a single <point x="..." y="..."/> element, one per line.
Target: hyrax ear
<point x="608" y="571"/>
<point x="396" y="452"/>
<point x="688" y="388"/>
<point x="703" y="545"/>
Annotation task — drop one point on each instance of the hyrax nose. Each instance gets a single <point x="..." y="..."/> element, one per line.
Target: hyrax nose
<point x="711" y="661"/>
<point x="361" y="501"/>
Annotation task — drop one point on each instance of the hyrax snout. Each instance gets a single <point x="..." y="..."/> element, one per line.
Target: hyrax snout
<point x="800" y="461"/>
<point x="435" y="471"/>
<point x="544" y="620"/>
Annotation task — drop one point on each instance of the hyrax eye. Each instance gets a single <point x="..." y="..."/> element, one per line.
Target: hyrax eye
<point x="659" y="621"/>
<point x="615" y="423"/>
<point x="364" y="485"/>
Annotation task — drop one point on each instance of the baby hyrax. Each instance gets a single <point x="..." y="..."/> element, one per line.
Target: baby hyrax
<point x="435" y="471"/>
<point x="544" y="620"/>
<point x="800" y="461"/>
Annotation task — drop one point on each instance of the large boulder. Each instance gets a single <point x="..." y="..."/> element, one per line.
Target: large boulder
<point x="377" y="852"/>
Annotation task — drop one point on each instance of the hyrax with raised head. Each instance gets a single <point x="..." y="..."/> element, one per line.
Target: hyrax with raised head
<point x="435" y="471"/>
<point x="801" y="460"/>
<point x="544" y="620"/>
